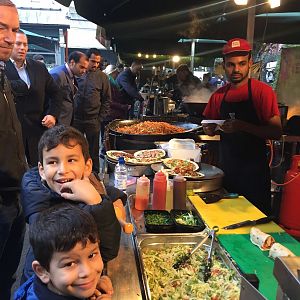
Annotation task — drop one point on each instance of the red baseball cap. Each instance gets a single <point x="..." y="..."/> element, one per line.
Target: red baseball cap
<point x="236" y="45"/>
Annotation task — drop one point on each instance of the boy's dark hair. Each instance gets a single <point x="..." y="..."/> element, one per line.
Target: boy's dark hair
<point x="62" y="134"/>
<point x="91" y="51"/>
<point x="59" y="229"/>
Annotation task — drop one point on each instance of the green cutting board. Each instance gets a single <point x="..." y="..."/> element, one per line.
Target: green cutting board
<point x="251" y="259"/>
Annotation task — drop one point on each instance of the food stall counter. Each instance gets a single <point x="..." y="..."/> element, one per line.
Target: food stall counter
<point x="249" y="258"/>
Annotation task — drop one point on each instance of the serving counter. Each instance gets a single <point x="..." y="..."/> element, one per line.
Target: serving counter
<point x="125" y="271"/>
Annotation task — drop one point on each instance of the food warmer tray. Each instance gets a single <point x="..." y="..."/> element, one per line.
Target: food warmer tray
<point x="152" y="241"/>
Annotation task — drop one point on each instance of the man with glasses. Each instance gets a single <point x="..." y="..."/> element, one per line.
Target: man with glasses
<point x="92" y="104"/>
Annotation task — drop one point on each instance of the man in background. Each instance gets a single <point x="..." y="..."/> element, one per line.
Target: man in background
<point x="37" y="97"/>
<point x="39" y="57"/>
<point x="65" y="78"/>
<point x="92" y="104"/>
<point x="127" y="82"/>
<point x="12" y="159"/>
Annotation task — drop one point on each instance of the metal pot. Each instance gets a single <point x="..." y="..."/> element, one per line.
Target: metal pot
<point x="190" y="130"/>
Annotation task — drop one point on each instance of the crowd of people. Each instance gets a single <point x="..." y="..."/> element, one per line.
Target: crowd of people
<point x="51" y="126"/>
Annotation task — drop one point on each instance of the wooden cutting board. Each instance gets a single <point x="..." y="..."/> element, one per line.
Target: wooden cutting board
<point x="230" y="211"/>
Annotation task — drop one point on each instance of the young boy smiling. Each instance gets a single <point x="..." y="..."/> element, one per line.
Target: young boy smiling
<point x="68" y="262"/>
<point x="64" y="174"/>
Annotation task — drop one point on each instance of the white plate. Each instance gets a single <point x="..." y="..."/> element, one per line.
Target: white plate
<point x="218" y="122"/>
<point x="149" y="152"/>
<point x="166" y="162"/>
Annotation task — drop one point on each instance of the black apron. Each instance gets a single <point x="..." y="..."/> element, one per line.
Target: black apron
<point x="244" y="156"/>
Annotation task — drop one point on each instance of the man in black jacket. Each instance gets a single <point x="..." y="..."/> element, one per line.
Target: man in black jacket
<point x="92" y="104"/>
<point x="12" y="160"/>
<point x="37" y="96"/>
<point x="129" y="89"/>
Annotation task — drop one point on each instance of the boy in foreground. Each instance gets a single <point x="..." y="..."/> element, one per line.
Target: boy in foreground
<point x="64" y="175"/>
<point x="68" y="262"/>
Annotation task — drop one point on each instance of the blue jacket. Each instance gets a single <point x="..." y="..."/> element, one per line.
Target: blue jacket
<point x="34" y="289"/>
<point x="36" y="197"/>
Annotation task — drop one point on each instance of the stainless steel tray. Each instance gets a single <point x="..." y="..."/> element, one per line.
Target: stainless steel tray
<point x="155" y="241"/>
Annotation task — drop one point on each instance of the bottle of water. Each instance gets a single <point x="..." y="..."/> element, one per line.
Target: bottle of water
<point x="121" y="174"/>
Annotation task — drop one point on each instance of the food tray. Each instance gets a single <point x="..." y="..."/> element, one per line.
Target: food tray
<point x="187" y="228"/>
<point x="147" y="241"/>
<point x="169" y="226"/>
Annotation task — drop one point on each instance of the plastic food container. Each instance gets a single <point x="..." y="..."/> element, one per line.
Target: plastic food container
<point x="158" y="221"/>
<point x="186" y="216"/>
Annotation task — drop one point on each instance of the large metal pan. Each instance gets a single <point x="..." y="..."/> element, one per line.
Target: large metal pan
<point x="190" y="131"/>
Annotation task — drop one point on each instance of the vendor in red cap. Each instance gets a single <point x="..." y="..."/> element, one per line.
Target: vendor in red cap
<point x="252" y="116"/>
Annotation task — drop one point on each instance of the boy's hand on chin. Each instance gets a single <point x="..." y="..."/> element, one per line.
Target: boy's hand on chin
<point x="104" y="289"/>
<point x="105" y="285"/>
<point x="80" y="190"/>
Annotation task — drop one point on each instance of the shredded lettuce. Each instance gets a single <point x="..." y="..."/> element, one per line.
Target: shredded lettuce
<point x="187" y="283"/>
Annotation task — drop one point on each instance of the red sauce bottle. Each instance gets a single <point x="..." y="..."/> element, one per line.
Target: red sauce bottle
<point x="159" y="191"/>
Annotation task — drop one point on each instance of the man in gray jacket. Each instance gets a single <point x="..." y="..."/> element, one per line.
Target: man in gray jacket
<point x="92" y="103"/>
<point x="64" y="76"/>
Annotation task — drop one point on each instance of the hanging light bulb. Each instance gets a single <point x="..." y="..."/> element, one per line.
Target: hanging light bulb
<point x="274" y="3"/>
<point x="241" y="2"/>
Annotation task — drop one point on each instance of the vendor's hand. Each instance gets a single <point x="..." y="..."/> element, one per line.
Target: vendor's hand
<point x="209" y="129"/>
<point x="48" y="121"/>
<point x="80" y="190"/>
<point x="232" y="125"/>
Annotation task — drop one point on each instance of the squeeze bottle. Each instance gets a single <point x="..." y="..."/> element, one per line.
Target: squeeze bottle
<point x="159" y="191"/>
<point x="179" y="192"/>
<point x="142" y="193"/>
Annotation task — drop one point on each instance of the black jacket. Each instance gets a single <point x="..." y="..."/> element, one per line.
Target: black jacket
<point x="93" y="98"/>
<point x="129" y="89"/>
<point x="12" y="156"/>
<point x="36" y="197"/>
<point x="42" y="98"/>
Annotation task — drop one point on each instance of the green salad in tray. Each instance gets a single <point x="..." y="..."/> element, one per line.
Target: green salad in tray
<point x="187" y="218"/>
<point x="158" y="219"/>
<point x="166" y="283"/>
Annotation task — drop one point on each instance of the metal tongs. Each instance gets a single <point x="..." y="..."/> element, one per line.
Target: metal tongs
<point x="186" y="257"/>
<point x="208" y="263"/>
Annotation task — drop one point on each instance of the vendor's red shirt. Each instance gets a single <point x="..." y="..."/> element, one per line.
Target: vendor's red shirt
<point x="263" y="97"/>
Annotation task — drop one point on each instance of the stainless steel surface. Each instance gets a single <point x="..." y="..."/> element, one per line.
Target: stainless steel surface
<point x="162" y="240"/>
<point x="286" y="273"/>
<point x="124" y="273"/>
<point x="212" y="180"/>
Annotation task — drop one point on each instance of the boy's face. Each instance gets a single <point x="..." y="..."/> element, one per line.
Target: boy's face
<point x="62" y="164"/>
<point x="73" y="273"/>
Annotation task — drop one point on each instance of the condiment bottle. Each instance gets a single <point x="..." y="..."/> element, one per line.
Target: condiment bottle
<point x="142" y="193"/>
<point x="169" y="197"/>
<point x="159" y="191"/>
<point x="179" y="192"/>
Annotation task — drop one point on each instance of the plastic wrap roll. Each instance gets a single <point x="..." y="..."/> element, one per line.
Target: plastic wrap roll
<point x="261" y="239"/>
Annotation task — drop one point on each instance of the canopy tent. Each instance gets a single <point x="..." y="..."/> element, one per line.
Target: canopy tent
<point x="156" y="26"/>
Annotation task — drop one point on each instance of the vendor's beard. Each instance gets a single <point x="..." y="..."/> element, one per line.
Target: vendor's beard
<point x="240" y="79"/>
